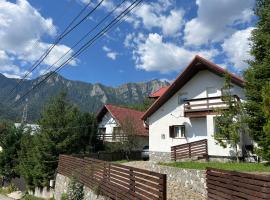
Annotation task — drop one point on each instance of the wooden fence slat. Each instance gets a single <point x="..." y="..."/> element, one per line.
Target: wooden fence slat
<point x="114" y="180"/>
<point x="223" y="184"/>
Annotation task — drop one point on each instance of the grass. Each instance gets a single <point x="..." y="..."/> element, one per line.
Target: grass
<point x="243" y="167"/>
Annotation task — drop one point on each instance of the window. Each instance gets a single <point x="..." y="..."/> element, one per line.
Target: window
<point x="182" y="97"/>
<point x="177" y="131"/>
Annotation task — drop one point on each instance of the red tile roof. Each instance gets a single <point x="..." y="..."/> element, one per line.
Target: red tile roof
<point x="159" y="92"/>
<point x="121" y="114"/>
<point x="196" y="65"/>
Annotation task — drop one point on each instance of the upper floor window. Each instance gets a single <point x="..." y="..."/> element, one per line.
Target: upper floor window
<point x="177" y="131"/>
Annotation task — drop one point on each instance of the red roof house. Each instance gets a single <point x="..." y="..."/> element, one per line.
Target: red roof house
<point x="158" y="93"/>
<point x="121" y="114"/>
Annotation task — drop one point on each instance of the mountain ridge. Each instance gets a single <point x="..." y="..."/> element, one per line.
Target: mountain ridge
<point x="89" y="97"/>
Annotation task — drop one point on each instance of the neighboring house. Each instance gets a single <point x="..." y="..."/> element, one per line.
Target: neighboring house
<point x="186" y="110"/>
<point x="158" y="93"/>
<point x="112" y="118"/>
<point x="34" y="128"/>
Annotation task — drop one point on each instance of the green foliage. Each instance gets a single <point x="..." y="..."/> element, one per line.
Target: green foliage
<point x="75" y="190"/>
<point x="265" y="152"/>
<point x="63" y="130"/>
<point x="257" y="76"/>
<point x="229" y="124"/>
<point x="245" y="167"/>
<point x="9" y="189"/>
<point x="147" y="102"/>
<point x="64" y="196"/>
<point x="10" y="138"/>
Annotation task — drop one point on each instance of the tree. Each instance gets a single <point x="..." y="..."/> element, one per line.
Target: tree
<point x="10" y="138"/>
<point x="63" y="130"/>
<point x="257" y="76"/>
<point x="266" y="108"/>
<point x="129" y="136"/>
<point x="229" y="122"/>
<point x="142" y="106"/>
<point x="88" y="132"/>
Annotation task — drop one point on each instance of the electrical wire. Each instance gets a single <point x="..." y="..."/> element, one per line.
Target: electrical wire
<point x="67" y="30"/>
<point x="87" y="45"/>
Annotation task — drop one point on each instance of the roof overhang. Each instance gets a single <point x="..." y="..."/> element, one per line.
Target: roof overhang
<point x="197" y="64"/>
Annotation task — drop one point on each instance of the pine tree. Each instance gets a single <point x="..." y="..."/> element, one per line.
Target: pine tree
<point x="10" y="138"/>
<point x="257" y="76"/>
<point x="63" y="130"/>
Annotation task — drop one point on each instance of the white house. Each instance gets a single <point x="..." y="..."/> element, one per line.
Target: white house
<point x="185" y="112"/>
<point x="112" y="118"/>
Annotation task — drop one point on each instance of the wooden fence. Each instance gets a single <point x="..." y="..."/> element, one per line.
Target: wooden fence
<point x="114" y="156"/>
<point x="113" y="180"/>
<point x="230" y="185"/>
<point x="188" y="150"/>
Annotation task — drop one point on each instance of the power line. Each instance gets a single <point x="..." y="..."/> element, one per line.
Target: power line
<point x="87" y="44"/>
<point x="85" y="36"/>
<point x="67" y="30"/>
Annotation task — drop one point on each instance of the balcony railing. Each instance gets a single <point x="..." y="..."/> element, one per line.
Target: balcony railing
<point x="203" y="106"/>
<point x="111" y="137"/>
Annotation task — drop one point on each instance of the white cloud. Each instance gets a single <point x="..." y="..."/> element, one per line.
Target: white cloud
<point x="155" y="55"/>
<point x="110" y="54"/>
<point x="216" y="20"/>
<point x="159" y="14"/>
<point x="237" y="48"/>
<point x="21" y="30"/>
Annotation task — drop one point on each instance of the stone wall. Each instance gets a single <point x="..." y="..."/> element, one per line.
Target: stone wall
<point x="61" y="187"/>
<point x="159" y="156"/>
<point x="194" y="180"/>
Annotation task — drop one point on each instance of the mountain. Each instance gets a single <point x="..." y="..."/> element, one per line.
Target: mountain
<point x="88" y="97"/>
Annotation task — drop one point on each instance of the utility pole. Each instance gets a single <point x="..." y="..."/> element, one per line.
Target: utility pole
<point x="24" y="114"/>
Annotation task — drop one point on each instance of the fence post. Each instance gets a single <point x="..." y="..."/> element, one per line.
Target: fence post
<point x="189" y="150"/>
<point x="164" y="185"/>
<point x="132" y="181"/>
<point x="174" y="153"/>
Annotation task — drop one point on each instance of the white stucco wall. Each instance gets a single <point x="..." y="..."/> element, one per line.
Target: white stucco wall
<point x="171" y="113"/>
<point x="109" y="123"/>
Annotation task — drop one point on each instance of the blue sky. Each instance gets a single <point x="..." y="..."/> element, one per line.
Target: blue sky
<point x="157" y="40"/>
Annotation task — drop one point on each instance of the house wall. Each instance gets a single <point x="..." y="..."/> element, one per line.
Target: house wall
<point x="109" y="123"/>
<point x="171" y="113"/>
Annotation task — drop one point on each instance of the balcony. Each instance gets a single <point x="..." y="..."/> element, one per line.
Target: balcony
<point x="204" y="106"/>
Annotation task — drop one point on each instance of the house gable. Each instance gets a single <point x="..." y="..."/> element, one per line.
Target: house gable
<point x="198" y="64"/>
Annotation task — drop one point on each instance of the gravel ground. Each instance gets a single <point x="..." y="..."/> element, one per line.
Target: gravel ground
<point x="174" y="190"/>
<point x="2" y="197"/>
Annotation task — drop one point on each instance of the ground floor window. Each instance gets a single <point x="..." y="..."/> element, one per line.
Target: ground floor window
<point x="177" y="131"/>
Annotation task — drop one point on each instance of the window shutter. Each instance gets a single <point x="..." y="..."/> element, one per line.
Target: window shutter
<point x="171" y="131"/>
